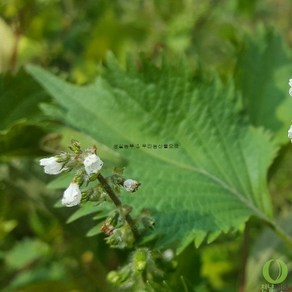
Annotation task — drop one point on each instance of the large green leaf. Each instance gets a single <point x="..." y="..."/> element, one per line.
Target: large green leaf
<point x="216" y="178"/>
<point x="262" y="73"/>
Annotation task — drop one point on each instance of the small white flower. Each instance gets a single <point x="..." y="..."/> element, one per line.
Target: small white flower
<point x="168" y="255"/>
<point x="92" y="164"/>
<point x="290" y="133"/>
<point x="72" y="195"/>
<point x="131" y="185"/>
<point x="51" y="165"/>
<point x="290" y="84"/>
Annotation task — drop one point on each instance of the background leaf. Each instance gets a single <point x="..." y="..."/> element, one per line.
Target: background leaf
<point x="261" y="252"/>
<point x="20" y="98"/>
<point x="262" y="72"/>
<point x="21" y="140"/>
<point x="25" y="253"/>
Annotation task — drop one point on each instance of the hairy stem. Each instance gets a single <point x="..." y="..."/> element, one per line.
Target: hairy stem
<point x="118" y="203"/>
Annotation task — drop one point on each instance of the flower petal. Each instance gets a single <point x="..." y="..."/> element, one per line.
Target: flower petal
<point x="92" y="164"/>
<point x="51" y="166"/>
<point x="72" y="195"/>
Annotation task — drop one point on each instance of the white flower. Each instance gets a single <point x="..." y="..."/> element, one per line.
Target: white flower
<point x="290" y="133"/>
<point x="92" y="164"/>
<point x="51" y="165"/>
<point x="131" y="185"/>
<point x="168" y="255"/>
<point x="72" y="195"/>
<point x="290" y="84"/>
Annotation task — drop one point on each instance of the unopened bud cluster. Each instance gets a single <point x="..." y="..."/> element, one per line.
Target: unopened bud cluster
<point x="144" y="264"/>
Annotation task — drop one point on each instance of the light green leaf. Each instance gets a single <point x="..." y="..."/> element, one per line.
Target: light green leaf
<point x="86" y="209"/>
<point x="212" y="182"/>
<point x="7" y="47"/>
<point x="6" y="227"/>
<point x="217" y="262"/>
<point x="26" y="252"/>
<point x="61" y="182"/>
<point x="94" y="230"/>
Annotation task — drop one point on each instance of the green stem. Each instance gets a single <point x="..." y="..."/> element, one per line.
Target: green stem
<point x="118" y="203"/>
<point x="244" y="253"/>
<point x="282" y="234"/>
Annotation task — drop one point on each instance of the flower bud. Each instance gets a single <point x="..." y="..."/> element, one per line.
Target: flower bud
<point x="72" y="195"/>
<point x="107" y="228"/>
<point x="116" y="239"/>
<point x="140" y="259"/>
<point x="168" y="255"/>
<point x="51" y="165"/>
<point x="121" y="237"/>
<point x="86" y="195"/>
<point x="290" y="132"/>
<point x="75" y="146"/>
<point x="92" y="164"/>
<point x="113" y="277"/>
<point x="62" y="157"/>
<point x="131" y="185"/>
<point x="290" y="84"/>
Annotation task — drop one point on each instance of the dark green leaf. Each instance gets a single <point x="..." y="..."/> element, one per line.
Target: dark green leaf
<point x="22" y="139"/>
<point x="20" y="98"/>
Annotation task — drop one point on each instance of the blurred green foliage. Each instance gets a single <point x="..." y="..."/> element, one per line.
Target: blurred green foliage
<point x="251" y="39"/>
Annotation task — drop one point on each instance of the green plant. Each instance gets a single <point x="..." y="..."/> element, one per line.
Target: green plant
<point x="213" y="177"/>
<point x="205" y="134"/>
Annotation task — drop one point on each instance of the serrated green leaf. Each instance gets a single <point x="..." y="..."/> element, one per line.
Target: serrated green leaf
<point x="199" y="237"/>
<point x="213" y="181"/>
<point x="212" y="236"/>
<point x="262" y="73"/>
